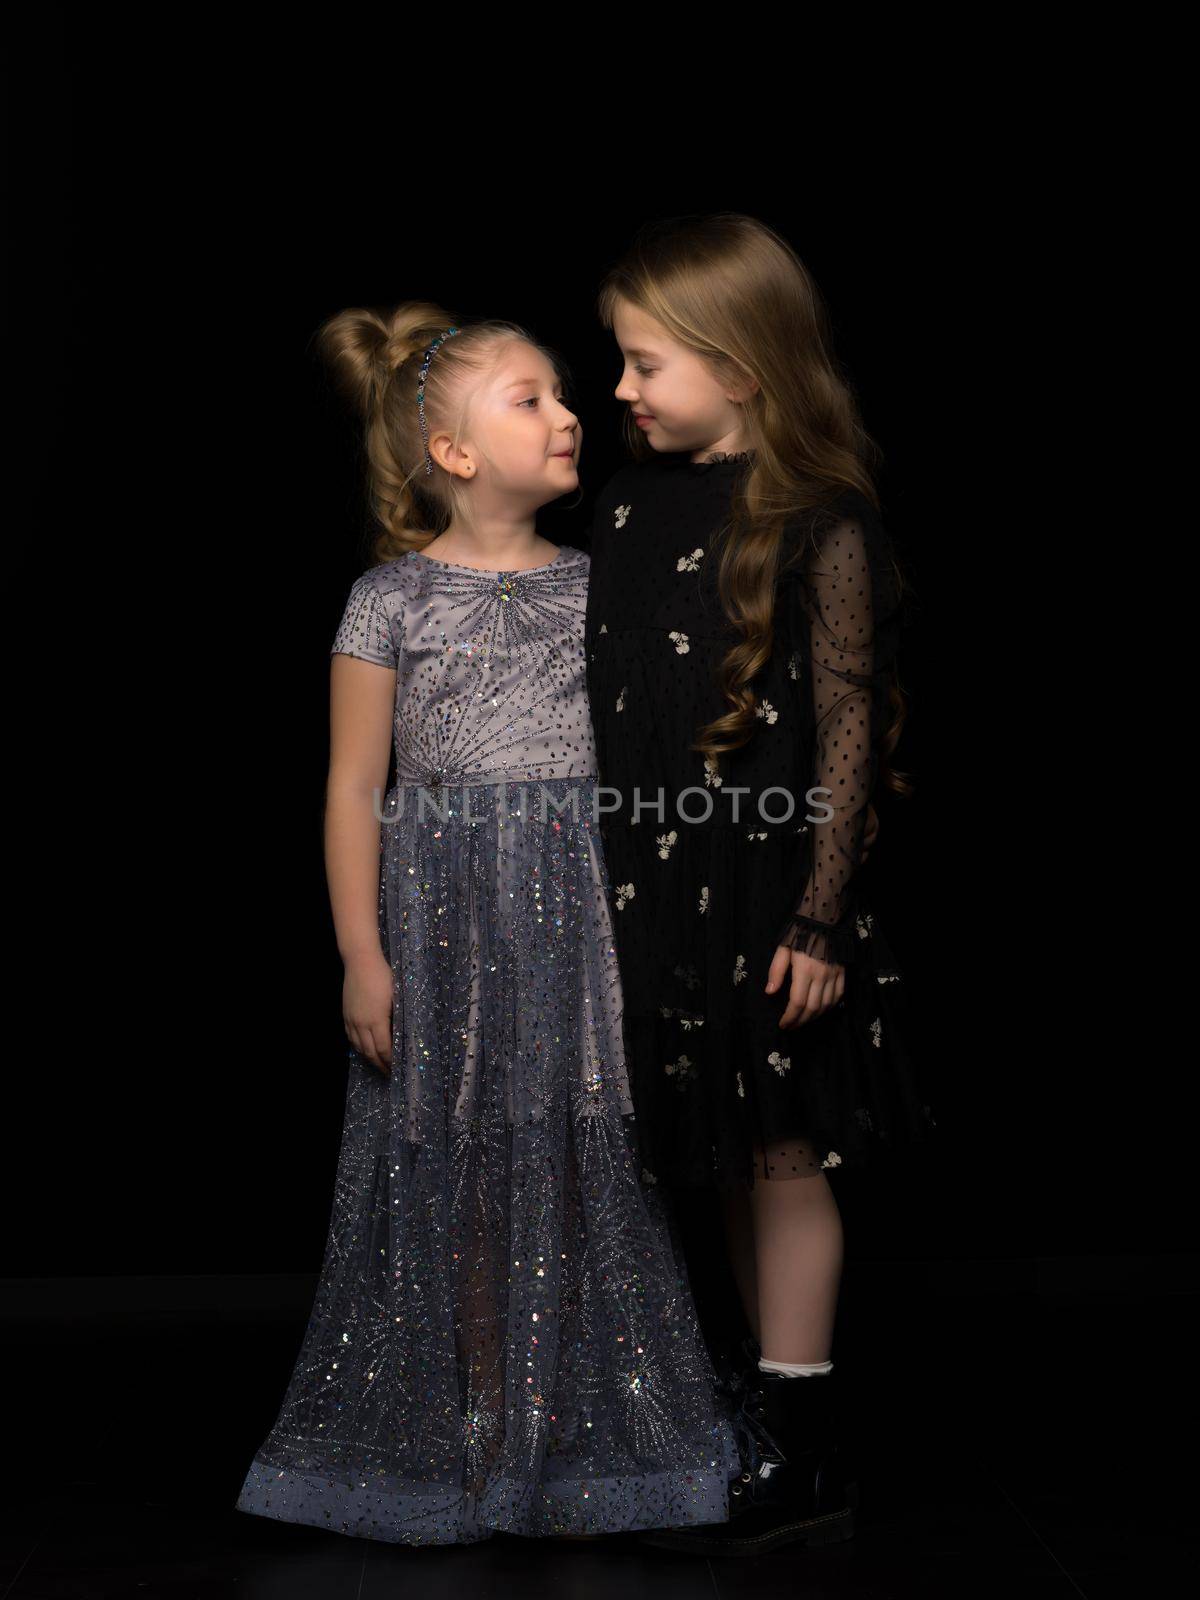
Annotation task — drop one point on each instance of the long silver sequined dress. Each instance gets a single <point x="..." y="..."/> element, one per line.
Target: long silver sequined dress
<point x="503" y="1335"/>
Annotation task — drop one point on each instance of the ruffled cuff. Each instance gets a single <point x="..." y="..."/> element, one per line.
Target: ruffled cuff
<point x="835" y="943"/>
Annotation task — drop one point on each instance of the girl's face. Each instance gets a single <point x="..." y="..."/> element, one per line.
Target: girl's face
<point x="523" y="437"/>
<point x="683" y="404"/>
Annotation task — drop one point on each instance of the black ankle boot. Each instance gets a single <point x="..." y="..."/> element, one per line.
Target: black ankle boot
<point x="792" y="1486"/>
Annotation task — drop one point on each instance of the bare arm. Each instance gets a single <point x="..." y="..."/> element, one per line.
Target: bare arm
<point x="361" y="702"/>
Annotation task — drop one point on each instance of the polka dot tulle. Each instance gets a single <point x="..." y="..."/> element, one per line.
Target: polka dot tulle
<point x="832" y="604"/>
<point x="715" y="866"/>
<point x="503" y="1335"/>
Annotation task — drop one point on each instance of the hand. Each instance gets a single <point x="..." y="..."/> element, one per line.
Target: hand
<point x="871" y="833"/>
<point x="367" y="1008"/>
<point x="816" y="986"/>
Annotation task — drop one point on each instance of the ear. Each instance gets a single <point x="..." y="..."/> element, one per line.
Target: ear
<point x="742" y="387"/>
<point x="457" y="463"/>
<point x="743" y="391"/>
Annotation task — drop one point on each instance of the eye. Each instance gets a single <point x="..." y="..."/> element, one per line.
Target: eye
<point x="643" y="372"/>
<point x="533" y="400"/>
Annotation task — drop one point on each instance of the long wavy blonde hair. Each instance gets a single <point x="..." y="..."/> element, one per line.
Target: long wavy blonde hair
<point x="731" y="289"/>
<point x="375" y="359"/>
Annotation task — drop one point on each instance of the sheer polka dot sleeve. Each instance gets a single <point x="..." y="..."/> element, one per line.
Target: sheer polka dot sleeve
<point x="365" y="630"/>
<point x="844" y="614"/>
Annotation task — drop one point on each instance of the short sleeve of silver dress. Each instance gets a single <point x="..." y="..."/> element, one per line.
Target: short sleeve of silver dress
<point x="715" y="865"/>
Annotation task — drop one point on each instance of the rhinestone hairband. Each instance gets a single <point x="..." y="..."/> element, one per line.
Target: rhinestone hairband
<point x="441" y="339"/>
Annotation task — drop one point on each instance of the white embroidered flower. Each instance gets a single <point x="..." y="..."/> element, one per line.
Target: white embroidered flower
<point x="766" y="710"/>
<point x="621" y="699"/>
<point x="741" y="1088"/>
<point x="648" y="1176"/>
<point x="711" y="776"/>
<point x="604" y="627"/>
<point x="680" y="1070"/>
<point x="686" y="1019"/>
<point x="680" y="641"/>
<point x="625" y="892"/>
<point x="739" y="971"/>
<point x="753" y="835"/>
<point x="887" y="977"/>
<point x="864" y="922"/>
<point x="704" y="900"/>
<point x="877" y="1032"/>
<point x="780" y="1063"/>
<point x="794" y="665"/>
<point x="832" y="1160"/>
<point x="665" y="841"/>
<point x="620" y="515"/>
<point x="690" y="563"/>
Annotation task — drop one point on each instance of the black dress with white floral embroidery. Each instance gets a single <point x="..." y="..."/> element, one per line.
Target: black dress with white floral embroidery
<point x="713" y="867"/>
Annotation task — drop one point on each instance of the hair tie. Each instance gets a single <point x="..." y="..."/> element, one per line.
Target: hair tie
<point x="441" y="339"/>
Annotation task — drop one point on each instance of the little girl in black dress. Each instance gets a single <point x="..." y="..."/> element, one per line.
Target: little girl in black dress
<point x="764" y="1010"/>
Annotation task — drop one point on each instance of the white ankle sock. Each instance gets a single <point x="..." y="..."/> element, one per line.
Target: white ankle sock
<point x="796" y="1369"/>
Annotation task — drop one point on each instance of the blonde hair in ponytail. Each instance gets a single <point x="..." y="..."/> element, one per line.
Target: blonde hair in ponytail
<point x="375" y="359"/>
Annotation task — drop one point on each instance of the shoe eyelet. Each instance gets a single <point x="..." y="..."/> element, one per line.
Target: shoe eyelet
<point x="737" y="1489"/>
<point x="745" y="1477"/>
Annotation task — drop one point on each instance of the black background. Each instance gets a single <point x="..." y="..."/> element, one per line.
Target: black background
<point x="197" y="519"/>
<point x="990" y="212"/>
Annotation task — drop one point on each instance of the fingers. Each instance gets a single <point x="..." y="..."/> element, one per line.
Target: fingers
<point x="797" y="997"/>
<point x="381" y="1047"/>
<point x="781" y="965"/>
<point x="816" y="987"/>
<point x="806" y="1000"/>
<point x="373" y="1043"/>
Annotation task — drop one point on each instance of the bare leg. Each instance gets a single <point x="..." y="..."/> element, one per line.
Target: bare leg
<point x="798" y="1245"/>
<point x="739" y="1238"/>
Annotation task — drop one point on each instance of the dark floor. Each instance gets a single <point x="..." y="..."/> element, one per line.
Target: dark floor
<point x="1001" y="1413"/>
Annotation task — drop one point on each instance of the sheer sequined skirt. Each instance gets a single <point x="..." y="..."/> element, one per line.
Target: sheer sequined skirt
<point x="503" y="1335"/>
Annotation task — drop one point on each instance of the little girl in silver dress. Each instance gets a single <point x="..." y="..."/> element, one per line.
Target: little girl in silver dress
<point x="503" y="1335"/>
